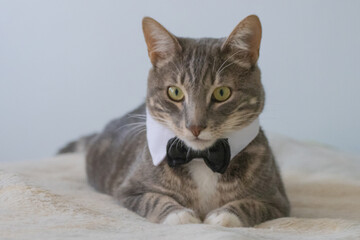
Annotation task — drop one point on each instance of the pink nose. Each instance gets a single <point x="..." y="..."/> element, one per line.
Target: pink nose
<point x="196" y="130"/>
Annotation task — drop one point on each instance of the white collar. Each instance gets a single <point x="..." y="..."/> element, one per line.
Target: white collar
<point x="158" y="136"/>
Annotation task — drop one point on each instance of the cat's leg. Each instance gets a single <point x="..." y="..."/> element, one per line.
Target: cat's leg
<point x="160" y="208"/>
<point x="243" y="213"/>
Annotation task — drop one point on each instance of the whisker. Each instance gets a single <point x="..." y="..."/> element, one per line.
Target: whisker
<point x="173" y="142"/>
<point x="143" y="117"/>
<point x="137" y="116"/>
<point x="139" y="131"/>
<point x="217" y="72"/>
<point x="134" y="125"/>
<point x="225" y="67"/>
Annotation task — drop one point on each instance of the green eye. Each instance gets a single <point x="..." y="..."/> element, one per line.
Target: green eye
<point x="221" y="94"/>
<point x="175" y="93"/>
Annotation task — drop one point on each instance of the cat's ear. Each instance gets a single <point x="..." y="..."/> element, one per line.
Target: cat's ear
<point x="244" y="40"/>
<point x="162" y="45"/>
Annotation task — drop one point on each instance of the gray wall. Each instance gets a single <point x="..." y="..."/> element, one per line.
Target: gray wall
<point x="68" y="67"/>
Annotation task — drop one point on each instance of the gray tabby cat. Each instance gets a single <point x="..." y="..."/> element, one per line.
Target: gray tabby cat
<point x="183" y="95"/>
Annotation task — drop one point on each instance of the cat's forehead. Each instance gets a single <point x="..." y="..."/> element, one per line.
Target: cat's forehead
<point x="196" y="64"/>
<point x="199" y="63"/>
<point x="202" y="49"/>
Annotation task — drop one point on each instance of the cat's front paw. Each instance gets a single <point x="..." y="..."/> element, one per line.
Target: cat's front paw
<point x="223" y="218"/>
<point x="181" y="217"/>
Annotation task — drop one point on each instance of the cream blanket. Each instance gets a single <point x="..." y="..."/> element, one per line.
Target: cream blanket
<point x="50" y="199"/>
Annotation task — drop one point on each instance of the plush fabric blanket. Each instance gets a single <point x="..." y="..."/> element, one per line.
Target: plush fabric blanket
<point x="50" y="199"/>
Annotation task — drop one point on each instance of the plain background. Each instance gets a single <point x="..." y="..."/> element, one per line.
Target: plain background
<point x="68" y="67"/>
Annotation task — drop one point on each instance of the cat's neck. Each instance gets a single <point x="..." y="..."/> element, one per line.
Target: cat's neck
<point x="158" y="136"/>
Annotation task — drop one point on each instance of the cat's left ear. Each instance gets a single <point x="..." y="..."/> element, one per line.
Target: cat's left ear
<point x="244" y="40"/>
<point x="162" y="45"/>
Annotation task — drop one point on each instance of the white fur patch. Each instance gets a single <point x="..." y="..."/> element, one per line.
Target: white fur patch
<point x="224" y="219"/>
<point x="253" y="101"/>
<point x="206" y="181"/>
<point x="181" y="217"/>
<point x="243" y="64"/>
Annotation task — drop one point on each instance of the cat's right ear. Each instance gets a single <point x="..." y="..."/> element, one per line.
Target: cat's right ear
<point x="161" y="44"/>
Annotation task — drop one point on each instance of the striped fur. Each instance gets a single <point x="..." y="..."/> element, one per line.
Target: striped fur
<point x="118" y="160"/>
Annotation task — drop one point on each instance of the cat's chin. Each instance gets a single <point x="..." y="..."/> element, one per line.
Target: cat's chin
<point x="199" y="144"/>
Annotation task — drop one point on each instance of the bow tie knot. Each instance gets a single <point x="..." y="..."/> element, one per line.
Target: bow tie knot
<point x="217" y="157"/>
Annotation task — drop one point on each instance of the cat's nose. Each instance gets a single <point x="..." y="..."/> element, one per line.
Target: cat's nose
<point x="196" y="129"/>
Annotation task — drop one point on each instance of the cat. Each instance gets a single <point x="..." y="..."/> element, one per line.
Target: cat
<point x="200" y="90"/>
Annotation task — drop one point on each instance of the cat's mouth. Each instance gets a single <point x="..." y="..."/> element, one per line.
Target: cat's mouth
<point x="199" y="143"/>
<point x="201" y="140"/>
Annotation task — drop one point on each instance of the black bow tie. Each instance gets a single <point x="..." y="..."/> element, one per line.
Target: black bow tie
<point x="217" y="157"/>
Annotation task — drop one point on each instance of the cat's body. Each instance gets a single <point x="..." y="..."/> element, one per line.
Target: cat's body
<point x="120" y="164"/>
<point x="118" y="160"/>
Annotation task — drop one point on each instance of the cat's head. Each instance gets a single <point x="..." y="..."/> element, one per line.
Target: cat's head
<point x="203" y="89"/>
